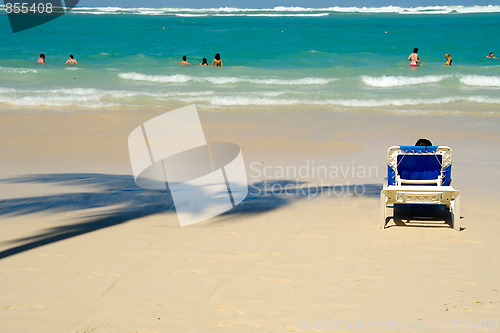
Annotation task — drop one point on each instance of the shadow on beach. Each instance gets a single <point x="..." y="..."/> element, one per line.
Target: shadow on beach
<point x="122" y="201"/>
<point x="421" y="216"/>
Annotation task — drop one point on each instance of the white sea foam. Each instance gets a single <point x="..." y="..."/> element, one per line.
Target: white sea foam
<point x="192" y="15"/>
<point x="99" y="98"/>
<point x="18" y="70"/>
<point x="392" y="102"/>
<point x="283" y="11"/>
<point x="54" y="100"/>
<point x="4" y="90"/>
<point x="53" y="97"/>
<point x="401" y="81"/>
<point x="480" y="80"/>
<point x="88" y="97"/>
<point x="181" y="78"/>
<point x="276" y="15"/>
<point x="482" y="99"/>
<point x="451" y="10"/>
<point x="176" y="78"/>
<point x="255" y="100"/>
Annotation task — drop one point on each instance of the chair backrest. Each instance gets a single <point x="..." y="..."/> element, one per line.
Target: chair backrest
<point x="419" y="165"/>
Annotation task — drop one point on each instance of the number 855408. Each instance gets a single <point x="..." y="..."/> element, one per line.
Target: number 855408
<point x="25" y="8"/>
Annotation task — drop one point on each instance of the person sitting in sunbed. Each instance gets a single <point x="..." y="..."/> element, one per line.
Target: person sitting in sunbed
<point x="423" y="142"/>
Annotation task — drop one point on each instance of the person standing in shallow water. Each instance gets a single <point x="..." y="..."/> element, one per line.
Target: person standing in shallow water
<point x="184" y="61"/>
<point x="217" y="61"/>
<point x="414" y="58"/>
<point x="448" y="59"/>
<point x="41" y="60"/>
<point x="71" y="60"/>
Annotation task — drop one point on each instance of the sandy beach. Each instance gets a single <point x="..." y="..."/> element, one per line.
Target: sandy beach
<point x="83" y="249"/>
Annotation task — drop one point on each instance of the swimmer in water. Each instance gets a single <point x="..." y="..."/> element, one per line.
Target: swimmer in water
<point x="41" y="60"/>
<point x="491" y="56"/>
<point x="448" y="59"/>
<point x="184" y="61"/>
<point x="204" y="62"/>
<point x="71" y="60"/>
<point x="414" y="58"/>
<point x="217" y="61"/>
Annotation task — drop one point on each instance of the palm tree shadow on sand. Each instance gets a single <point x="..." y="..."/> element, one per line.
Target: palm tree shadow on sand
<point x="122" y="201"/>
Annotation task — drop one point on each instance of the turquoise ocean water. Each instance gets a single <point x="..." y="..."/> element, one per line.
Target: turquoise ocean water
<point x="297" y="58"/>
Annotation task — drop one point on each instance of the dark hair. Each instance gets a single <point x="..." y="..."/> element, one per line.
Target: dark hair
<point x="204" y="60"/>
<point x="415" y="50"/>
<point x="71" y="56"/>
<point x="42" y="55"/>
<point x="423" y="142"/>
<point x="184" y="58"/>
<point x="217" y="56"/>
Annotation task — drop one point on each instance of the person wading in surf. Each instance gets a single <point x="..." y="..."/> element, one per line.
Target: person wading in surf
<point x="414" y="58"/>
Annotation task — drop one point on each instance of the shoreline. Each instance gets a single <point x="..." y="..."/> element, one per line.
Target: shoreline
<point x="96" y="140"/>
<point x="458" y="109"/>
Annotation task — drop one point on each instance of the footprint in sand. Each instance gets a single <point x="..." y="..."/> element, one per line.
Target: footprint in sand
<point x="273" y="279"/>
<point x="467" y="241"/>
<point x="105" y="275"/>
<point x="199" y="260"/>
<point x="463" y="309"/>
<point x="312" y="236"/>
<point x="361" y="278"/>
<point x="351" y="259"/>
<point x="468" y="283"/>
<point x="234" y="233"/>
<point x="24" y="306"/>
<point x="46" y="255"/>
<point x="227" y="323"/>
<point x="258" y="254"/>
<point x="32" y="269"/>
<point x="221" y="324"/>
<point x="137" y="256"/>
<point x="90" y="329"/>
<point x="229" y="308"/>
<point x="22" y="269"/>
<point x="194" y="271"/>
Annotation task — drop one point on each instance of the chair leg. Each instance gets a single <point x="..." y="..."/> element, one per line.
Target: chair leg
<point x="455" y="213"/>
<point x="383" y="210"/>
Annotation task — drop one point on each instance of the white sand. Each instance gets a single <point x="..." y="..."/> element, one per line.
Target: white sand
<point x="84" y="250"/>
